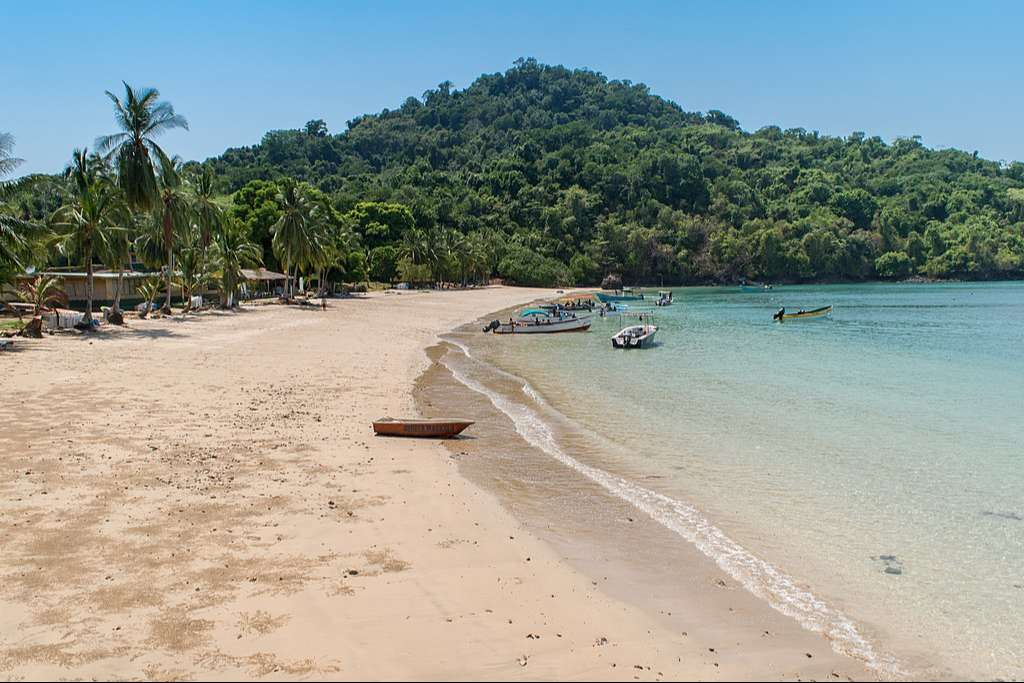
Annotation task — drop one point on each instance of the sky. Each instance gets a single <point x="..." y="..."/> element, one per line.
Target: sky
<point x="950" y="72"/>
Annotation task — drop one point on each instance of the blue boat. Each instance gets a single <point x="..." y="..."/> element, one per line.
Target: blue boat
<point x="624" y="294"/>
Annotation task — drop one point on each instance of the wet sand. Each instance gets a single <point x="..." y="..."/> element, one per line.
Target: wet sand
<point x="204" y="498"/>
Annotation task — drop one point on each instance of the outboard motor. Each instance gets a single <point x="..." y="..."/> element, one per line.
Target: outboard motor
<point x="493" y="325"/>
<point x="778" y="316"/>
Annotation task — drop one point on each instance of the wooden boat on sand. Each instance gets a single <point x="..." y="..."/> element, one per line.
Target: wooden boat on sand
<point x="781" y="314"/>
<point x="437" y="428"/>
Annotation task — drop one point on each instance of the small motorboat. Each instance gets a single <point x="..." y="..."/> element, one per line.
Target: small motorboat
<point x="664" y="299"/>
<point x="635" y="336"/>
<point x="541" y="324"/>
<point x="781" y="314"/>
<point x="438" y="428"/>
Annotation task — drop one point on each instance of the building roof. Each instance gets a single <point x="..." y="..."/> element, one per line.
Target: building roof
<point x="262" y="274"/>
<point x="99" y="275"/>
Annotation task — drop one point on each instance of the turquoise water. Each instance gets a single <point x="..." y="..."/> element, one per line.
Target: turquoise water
<point x="864" y="472"/>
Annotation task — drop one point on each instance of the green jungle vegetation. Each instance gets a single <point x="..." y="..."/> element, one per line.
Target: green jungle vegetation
<point x="541" y="175"/>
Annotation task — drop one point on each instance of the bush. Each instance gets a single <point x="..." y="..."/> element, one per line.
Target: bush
<point x="413" y="273"/>
<point x="523" y="266"/>
<point x="893" y="264"/>
<point x="584" y="270"/>
<point x="383" y="263"/>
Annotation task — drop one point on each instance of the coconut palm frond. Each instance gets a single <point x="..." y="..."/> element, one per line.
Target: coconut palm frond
<point x="42" y="292"/>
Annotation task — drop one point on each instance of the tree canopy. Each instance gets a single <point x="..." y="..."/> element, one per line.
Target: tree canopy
<point x="546" y="175"/>
<point x="568" y="165"/>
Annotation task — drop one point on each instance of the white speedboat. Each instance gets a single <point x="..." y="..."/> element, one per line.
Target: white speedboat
<point x="635" y="336"/>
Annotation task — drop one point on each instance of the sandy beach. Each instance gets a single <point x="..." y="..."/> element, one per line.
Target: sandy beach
<point x="203" y="498"/>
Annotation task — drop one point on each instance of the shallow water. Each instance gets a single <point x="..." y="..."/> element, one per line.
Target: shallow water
<point x="864" y="473"/>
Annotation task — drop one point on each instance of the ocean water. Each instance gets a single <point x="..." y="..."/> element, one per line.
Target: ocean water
<point x="863" y="473"/>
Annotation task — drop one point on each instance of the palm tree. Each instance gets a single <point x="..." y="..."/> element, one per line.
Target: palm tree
<point x="96" y="215"/>
<point x="323" y="248"/>
<point x="473" y="258"/>
<point x="116" y="252"/>
<point x="7" y="160"/>
<point x="232" y="251"/>
<point x="149" y="289"/>
<point x="415" y="246"/>
<point x="344" y="254"/>
<point x="293" y="233"/>
<point x="13" y="230"/>
<point x="175" y="212"/>
<point x="145" y="173"/>
<point x="42" y="292"/>
<point x="208" y="213"/>
<point x="193" y="271"/>
<point x="136" y="155"/>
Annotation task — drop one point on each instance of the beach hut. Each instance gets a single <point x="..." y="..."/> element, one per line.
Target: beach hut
<point x="74" y="284"/>
<point x="261" y="282"/>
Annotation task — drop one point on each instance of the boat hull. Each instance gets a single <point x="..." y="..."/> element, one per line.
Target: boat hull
<point x="430" y="429"/>
<point x="611" y="298"/>
<point x="567" y="325"/>
<point x="623" y="340"/>
<point x="807" y="315"/>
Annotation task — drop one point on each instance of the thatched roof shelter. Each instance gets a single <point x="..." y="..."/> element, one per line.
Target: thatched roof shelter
<point x="262" y="275"/>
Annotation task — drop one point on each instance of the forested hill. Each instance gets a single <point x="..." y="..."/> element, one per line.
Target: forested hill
<point x="568" y="176"/>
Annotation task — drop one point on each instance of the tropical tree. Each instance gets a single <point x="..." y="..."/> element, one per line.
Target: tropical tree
<point x="232" y="250"/>
<point x="147" y="176"/>
<point x="8" y="162"/>
<point x="474" y="259"/>
<point x="93" y="219"/>
<point x="175" y="214"/>
<point x="149" y="289"/>
<point x="134" y="151"/>
<point x="207" y="212"/>
<point x="42" y="292"/>
<point x="14" y="231"/>
<point x="192" y="271"/>
<point x="294" y="239"/>
<point x="116" y="253"/>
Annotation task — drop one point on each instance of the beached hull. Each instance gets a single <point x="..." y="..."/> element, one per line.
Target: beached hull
<point x="568" y="325"/>
<point x="806" y="315"/>
<point x="436" y="429"/>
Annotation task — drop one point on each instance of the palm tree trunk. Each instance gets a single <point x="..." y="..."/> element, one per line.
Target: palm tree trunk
<point x="87" y="318"/>
<point x="117" y="290"/>
<point x="225" y="294"/>
<point x="169" y="243"/>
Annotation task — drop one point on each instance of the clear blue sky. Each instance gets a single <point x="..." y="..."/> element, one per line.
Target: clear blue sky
<point x="948" y="71"/>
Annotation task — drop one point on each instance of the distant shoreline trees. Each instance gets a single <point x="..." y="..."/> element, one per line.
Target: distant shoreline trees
<point x="543" y="175"/>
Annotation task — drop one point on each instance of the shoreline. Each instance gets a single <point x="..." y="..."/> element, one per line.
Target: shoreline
<point x="200" y="497"/>
<point x="611" y="555"/>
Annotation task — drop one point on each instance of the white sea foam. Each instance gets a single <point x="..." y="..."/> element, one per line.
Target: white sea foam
<point x="756" y="575"/>
<point x="529" y="391"/>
